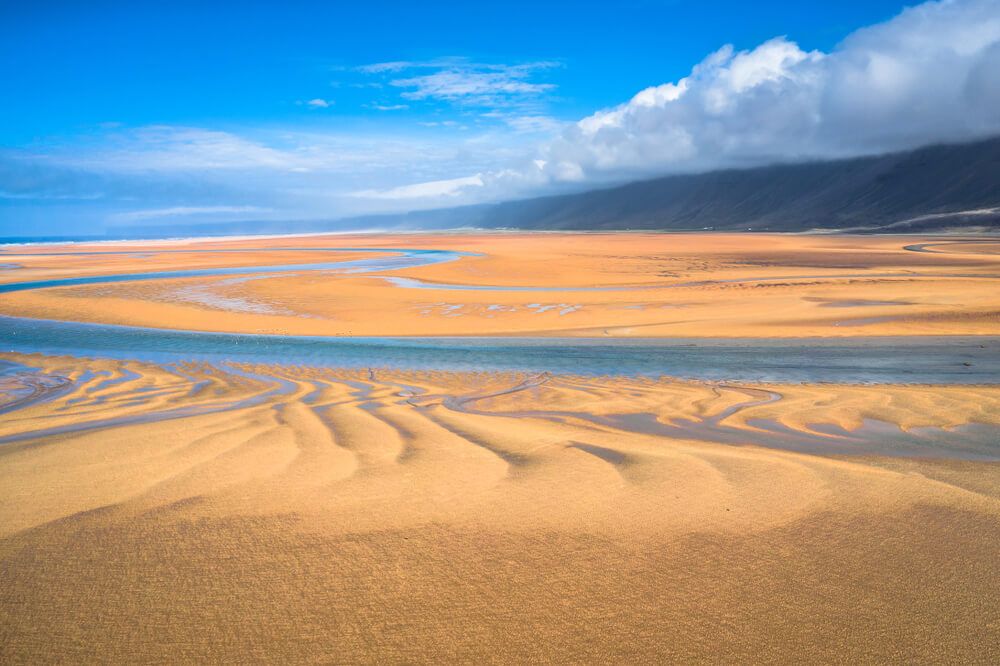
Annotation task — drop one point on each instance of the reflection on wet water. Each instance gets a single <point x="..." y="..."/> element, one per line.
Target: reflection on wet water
<point x="945" y="360"/>
<point x="400" y="259"/>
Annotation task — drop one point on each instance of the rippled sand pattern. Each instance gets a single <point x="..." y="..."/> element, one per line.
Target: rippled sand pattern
<point x="251" y="513"/>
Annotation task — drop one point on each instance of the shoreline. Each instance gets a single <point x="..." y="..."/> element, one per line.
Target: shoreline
<point x="518" y="285"/>
<point x="940" y="360"/>
<point x="547" y="337"/>
<point x="498" y="232"/>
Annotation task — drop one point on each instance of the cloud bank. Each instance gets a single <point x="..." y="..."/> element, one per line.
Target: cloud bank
<point x="931" y="74"/>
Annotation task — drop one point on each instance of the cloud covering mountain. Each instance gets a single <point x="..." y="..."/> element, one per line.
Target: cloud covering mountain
<point x="930" y="75"/>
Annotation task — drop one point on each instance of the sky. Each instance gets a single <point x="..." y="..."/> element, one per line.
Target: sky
<point x="120" y="115"/>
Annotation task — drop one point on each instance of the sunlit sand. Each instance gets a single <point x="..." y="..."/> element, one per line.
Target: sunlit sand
<point x="611" y="285"/>
<point x="234" y="511"/>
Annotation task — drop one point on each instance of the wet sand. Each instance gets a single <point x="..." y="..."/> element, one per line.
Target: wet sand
<point x="613" y="285"/>
<point x="257" y="512"/>
<point x="166" y="510"/>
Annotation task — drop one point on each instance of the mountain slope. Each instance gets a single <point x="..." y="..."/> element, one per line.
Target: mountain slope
<point x="930" y="188"/>
<point x="936" y="188"/>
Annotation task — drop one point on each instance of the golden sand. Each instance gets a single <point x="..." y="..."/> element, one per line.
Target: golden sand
<point x="676" y="285"/>
<point x="257" y="513"/>
<point x="240" y="513"/>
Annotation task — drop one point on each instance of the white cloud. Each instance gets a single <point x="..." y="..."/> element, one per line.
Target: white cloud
<point x="185" y="211"/>
<point x="44" y="196"/>
<point x="389" y="107"/>
<point x="527" y="123"/>
<point x="931" y="74"/>
<point x="461" y="81"/>
<point x="476" y="87"/>
<point x="319" y="103"/>
<point x="431" y="189"/>
<point x="382" y="67"/>
<point x="190" y="150"/>
<point x="167" y="148"/>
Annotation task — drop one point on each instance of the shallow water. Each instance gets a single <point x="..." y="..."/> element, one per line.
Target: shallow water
<point x="931" y="360"/>
<point x="940" y="360"/>
<point x="400" y="259"/>
<point x="413" y="283"/>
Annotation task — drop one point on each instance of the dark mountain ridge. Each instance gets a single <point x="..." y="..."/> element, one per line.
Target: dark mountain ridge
<point x="952" y="187"/>
<point x="931" y="188"/>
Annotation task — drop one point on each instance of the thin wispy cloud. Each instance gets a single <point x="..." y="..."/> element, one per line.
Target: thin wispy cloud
<point x="432" y="189"/>
<point x="185" y="211"/>
<point x="43" y="196"/>
<point x="466" y="82"/>
<point x="527" y="123"/>
<point x="394" y="66"/>
<point x="472" y="86"/>
<point x="192" y="150"/>
<point x="151" y="173"/>
<point x="170" y="148"/>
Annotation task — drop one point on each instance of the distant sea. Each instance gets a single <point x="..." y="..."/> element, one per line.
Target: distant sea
<point x="188" y="234"/>
<point x="26" y="240"/>
<point x="34" y="240"/>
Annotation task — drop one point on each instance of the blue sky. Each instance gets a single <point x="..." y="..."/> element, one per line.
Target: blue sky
<point x="122" y="114"/>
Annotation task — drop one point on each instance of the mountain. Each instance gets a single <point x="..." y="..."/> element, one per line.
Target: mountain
<point x="937" y="188"/>
<point x="933" y="188"/>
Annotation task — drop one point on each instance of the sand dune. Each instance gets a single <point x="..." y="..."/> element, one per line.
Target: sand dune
<point x="259" y="512"/>
<point x="231" y="511"/>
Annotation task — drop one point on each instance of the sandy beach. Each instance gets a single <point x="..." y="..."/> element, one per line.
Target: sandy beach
<point x="500" y="333"/>
<point x="301" y="514"/>
<point x="605" y="285"/>
<point x="180" y="510"/>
